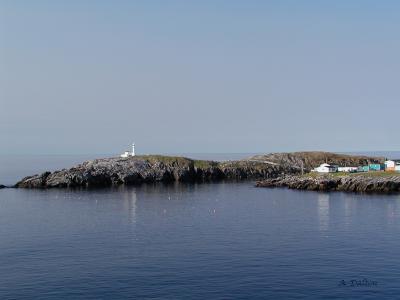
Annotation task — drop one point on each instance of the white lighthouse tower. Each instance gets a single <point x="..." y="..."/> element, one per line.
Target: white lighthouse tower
<point x="127" y="153"/>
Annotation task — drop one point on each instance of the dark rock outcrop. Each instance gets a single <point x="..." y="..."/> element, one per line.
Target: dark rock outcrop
<point x="152" y="168"/>
<point x="361" y="183"/>
<point x="2" y="186"/>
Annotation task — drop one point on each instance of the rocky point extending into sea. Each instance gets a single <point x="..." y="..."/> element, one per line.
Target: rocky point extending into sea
<point x="378" y="182"/>
<point x="275" y="169"/>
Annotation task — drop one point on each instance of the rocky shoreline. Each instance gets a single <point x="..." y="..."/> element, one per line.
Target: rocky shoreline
<point x="362" y="183"/>
<point x="157" y="168"/>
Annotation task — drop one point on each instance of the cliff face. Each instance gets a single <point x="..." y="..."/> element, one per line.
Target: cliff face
<point x="313" y="159"/>
<point x="141" y="169"/>
<point x="362" y="183"/>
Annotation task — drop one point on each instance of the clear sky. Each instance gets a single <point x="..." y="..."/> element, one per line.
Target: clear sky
<point x="199" y="76"/>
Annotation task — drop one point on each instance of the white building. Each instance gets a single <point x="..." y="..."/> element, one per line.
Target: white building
<point x="127" y="153"/>
<point x="347" y="169"/>
<point x="326" y="168"/>
<point x="390" y="165"/>
<point x="397" y="167"/>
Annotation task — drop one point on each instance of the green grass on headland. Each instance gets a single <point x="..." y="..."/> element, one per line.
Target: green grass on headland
<point x="204" y="164"/>
<point x="182" y="161"/>
<point x="164" y="158"/>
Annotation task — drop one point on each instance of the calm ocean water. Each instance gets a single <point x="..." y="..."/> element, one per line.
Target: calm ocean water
<point x="203" y="241"/>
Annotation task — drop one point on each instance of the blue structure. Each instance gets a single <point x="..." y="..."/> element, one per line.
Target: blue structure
<point x="376" y="167"/>
<point x="363" y="169"/>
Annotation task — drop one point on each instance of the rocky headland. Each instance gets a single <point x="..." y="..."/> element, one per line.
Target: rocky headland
<point x="157" y="168"/>
<point x="149" y="169"/>
<point x="379" y="182"/>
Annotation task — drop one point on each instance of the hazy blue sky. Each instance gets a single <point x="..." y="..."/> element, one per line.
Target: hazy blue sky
<point x="199" y="76"/>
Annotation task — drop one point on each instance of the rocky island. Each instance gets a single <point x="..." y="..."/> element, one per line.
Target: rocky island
<point x="152" y="168"/>
<point x="157" y="168"/>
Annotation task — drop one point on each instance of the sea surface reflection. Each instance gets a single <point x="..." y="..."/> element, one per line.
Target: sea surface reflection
<point x="210" y="241"/>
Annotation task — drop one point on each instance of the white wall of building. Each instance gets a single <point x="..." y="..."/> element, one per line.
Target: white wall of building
<point x="347" y="169"/>
<point x="325" y="168"/>
<point x="390" y="164"/>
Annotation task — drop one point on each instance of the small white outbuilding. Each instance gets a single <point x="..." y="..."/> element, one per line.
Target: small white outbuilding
<point x="390" y="165"/>
<point x="326" y="168"/>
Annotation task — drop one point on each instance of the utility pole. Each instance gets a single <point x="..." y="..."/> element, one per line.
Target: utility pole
<point x="302" y="167"/>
